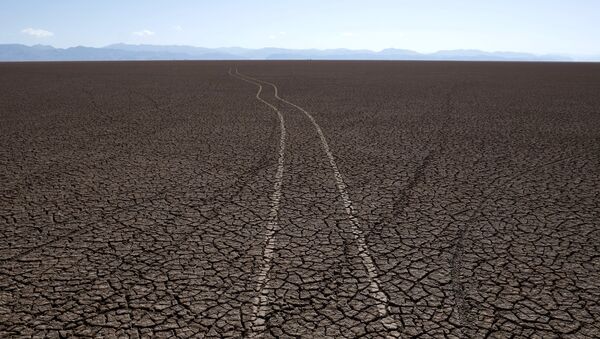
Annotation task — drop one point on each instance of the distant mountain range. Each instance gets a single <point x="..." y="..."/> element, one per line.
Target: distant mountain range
<point x="17" y="52"/>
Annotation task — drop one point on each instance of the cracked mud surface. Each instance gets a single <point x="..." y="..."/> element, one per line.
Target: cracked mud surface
<point x="135" y="200"/>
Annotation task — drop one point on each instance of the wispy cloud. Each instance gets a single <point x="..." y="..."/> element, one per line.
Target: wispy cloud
<point x="347" y="34"/>
<point x="178" y="28"/>
<point x="36" y="32"/>
<point x="277" y="35"/>
<point x="143" y="33"/>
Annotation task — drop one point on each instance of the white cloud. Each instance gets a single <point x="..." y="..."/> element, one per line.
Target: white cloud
<point x="36" y="32"/>
<point x="347" y="34"/>
<point x="178" y="28"/>
<point x="144" y="33"/>
<point x="277" y="35"/>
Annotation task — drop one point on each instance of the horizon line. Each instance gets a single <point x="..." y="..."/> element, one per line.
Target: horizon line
<point x="562" y="54"/>
<point x="125" y="51"/>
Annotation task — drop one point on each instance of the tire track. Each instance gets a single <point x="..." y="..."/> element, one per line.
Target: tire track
<point x="260" y="302"/>
<point x="374" y="283"/>
<point x="464" y="314"/>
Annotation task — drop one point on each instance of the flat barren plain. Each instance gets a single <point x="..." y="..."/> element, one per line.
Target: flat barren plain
<point x="300" y="200"/>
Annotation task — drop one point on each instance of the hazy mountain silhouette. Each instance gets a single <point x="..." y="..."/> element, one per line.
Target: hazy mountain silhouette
<point x="18" y="52"/>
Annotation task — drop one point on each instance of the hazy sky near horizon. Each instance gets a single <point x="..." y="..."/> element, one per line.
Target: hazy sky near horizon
<point x="536" y="26"/>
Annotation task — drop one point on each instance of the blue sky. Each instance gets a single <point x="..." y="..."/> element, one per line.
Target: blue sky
<point x="536" y="26"/>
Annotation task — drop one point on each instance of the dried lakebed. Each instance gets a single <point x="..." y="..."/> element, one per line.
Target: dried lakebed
<point x="300" y="200"/>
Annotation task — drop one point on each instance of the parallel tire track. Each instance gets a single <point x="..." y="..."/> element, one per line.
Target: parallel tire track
<point x="367" y="260"/>
<point x="260" y="302"/>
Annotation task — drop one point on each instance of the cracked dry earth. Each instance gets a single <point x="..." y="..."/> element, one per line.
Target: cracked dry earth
<point x="300" y="200"/>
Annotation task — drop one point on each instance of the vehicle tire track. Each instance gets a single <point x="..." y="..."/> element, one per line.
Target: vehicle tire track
<point x="374" y="283"/>
<point x="464" y="314"/>
<point x="260" y="302"/>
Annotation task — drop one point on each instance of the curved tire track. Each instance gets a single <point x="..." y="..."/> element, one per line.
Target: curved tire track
<point x="260" y="303"/>
<point x="374" y="283"/>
